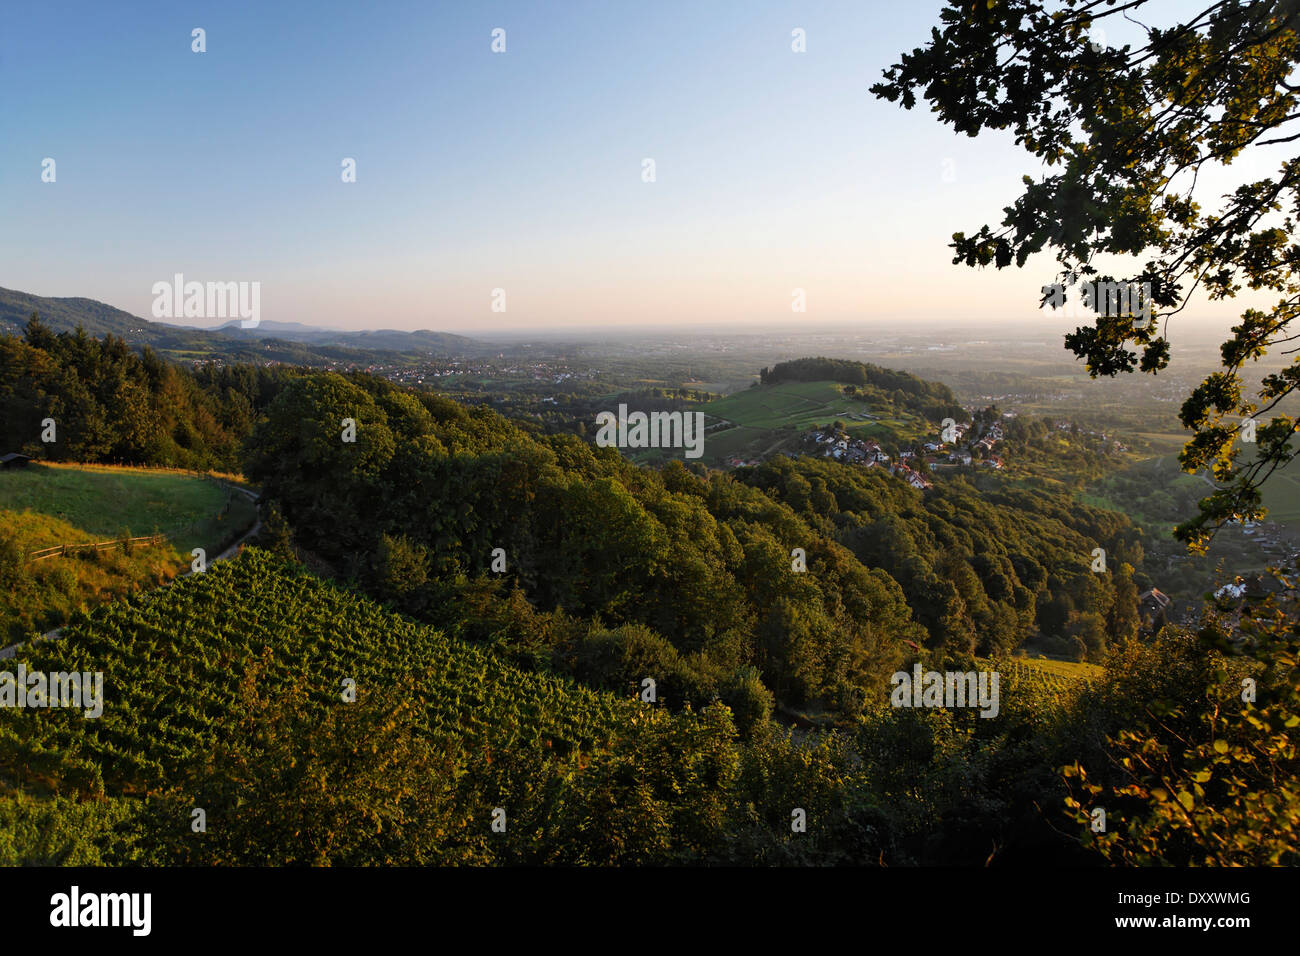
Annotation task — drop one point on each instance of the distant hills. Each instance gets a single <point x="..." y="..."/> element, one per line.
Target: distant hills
<point x="421" y="340"/>
<point x="271" y="341"/>
<point x="97" y="318"/>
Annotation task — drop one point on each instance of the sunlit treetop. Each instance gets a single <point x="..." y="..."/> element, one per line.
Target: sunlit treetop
<point x="1124" y="134"/>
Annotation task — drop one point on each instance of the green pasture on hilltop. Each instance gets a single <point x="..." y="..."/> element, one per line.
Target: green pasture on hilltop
<point x="768" y="418"/>
<point x="105" y="502"/>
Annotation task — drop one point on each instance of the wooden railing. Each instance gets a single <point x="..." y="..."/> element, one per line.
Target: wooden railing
<point x="66" y="549"/>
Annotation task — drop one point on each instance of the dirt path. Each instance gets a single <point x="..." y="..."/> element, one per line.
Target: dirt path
<point x="233" y="550"/>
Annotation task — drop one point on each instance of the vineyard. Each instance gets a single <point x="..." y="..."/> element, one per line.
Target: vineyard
<point x="176" y="662"/>
<point x="1066" y="670"/>
<point x="442" y="736"/>
<point x="1038" y="687"/>
<point x="173" y="660"/>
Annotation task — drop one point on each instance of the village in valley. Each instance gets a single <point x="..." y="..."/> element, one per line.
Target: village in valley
<point x="931" y="455"/>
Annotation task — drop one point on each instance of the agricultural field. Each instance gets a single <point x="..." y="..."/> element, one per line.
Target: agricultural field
<point x="1282" y="496"/>
<point x="1039" y="685"/>
<point x="1071" y="670"/>
<point x="185" y="668"/>
<point x="797" y="404"/>
<point x="766" y="419"/>
<point x="1158" y="494"/>
<point x="172" y="663"/>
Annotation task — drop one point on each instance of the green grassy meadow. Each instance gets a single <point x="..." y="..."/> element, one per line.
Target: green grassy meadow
<point x="44" y="505"/>
<point x="1164" y="482"/>
<point x="40" y="595"/>
<point x="105" y="503"/>
<point x="1282" y="495"/>
<point x="768" y="418"/>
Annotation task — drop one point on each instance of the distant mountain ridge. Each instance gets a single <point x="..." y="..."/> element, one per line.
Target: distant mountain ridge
<point x="267" y="326"/>
<point x="64" y="314"/>
<point x="275" y="341"/>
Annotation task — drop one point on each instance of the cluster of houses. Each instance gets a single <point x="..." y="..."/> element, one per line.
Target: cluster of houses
<point x="866" y="453"/>
<point x="935" y="452"/>
<point x="1255" y="588"/>
<point x="1234" y="598"/>
<point x="851" y="451"/>
<point x="963" y="452"/>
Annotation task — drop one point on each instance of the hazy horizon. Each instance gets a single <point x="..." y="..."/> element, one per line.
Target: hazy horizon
<point x="522" y="171"/>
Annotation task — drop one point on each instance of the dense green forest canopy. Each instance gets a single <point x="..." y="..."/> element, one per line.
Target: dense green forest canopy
<point x="110" y="404"/>
<point x="697" y="567"/>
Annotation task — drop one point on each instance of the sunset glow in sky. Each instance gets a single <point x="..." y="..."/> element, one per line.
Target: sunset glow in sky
<point x="476" y="170"/>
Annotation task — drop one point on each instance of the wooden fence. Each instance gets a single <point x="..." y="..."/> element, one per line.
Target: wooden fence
<point x="66" y="549"/>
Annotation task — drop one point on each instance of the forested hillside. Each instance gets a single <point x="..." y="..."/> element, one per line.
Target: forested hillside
<point x="110" y="404"/>
<point x="821" y="578"/>
<point x="283" y="342"/>
<point x="312" y="726"/>
<point x="433" y="501"/>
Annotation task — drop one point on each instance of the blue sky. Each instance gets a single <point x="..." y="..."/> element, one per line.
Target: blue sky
<point x="476" y="171"/>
